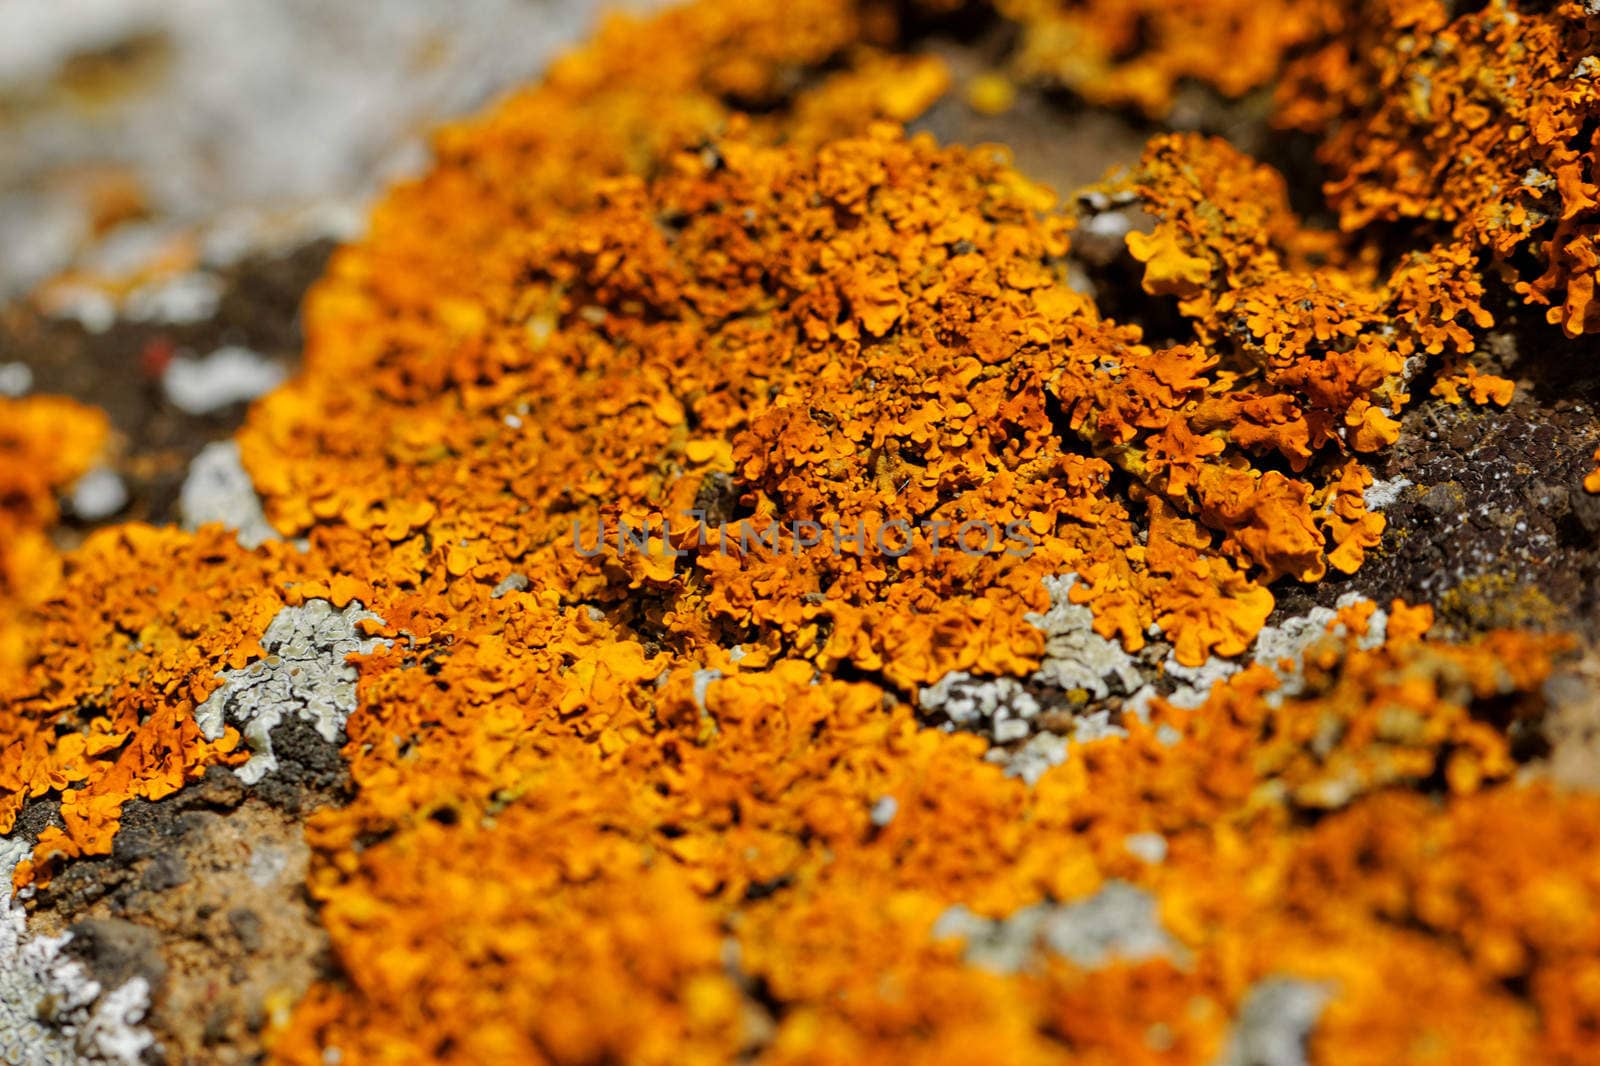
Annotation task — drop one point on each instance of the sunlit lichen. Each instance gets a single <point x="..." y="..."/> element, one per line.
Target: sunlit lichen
<point x="702" y="277"/>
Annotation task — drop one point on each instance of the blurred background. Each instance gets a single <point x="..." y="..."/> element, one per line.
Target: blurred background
<point x="124" y="121"/>
<point x="174" y="174"/>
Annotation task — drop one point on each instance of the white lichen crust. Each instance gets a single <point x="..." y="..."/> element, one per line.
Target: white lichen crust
<point x="1075" y="656"/>
<point x="52" y="1013"/>
<point x="219" y="489"/>
<point x="1079" y="662"/>
<point x="304" y="674"/>
<point x="1275" y="1023"/>
<point x="1282" y="648"/>
<point x="1118" y="923"/>
<point x="1101" y="683"/>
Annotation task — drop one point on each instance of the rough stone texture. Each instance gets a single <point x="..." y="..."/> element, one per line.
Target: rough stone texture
<point x="202" y="901"/>
<point x="56" y="1011"/>
<point x="1495" y="528"/>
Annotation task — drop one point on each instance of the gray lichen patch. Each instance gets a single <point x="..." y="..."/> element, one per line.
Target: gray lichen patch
<point x="219" y="489"/>
<point x="1080" y="669"/>
<point x="1031" y="760"/>
<point x="1087" y="686"/>
<point x="1282" y="647"/>
<point x="1075" y="656"/>
<point x="304" y="676"/>
<point x="1384" y="492"/>
<point x="1118" y="923"/>
<point x="52" y="1013"/>
<point x="999" y="708"/>
<point x="1275" y="1023"/>
<point x="1194" y="683"/>
<point x="1003" y="711"/>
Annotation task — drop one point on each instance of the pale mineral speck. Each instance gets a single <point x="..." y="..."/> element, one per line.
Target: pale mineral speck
<point x="227" y="376"/>
<point x="219" y="489"/>
<point x="99" y="494"/>
<point x="1147" y="847"/>
<point x="15" y="379"/>
<point x="1382" y="494"/>
<point x="509" y="584"/>
<point x="192" y="297"/>
<point x="703" y="680"/>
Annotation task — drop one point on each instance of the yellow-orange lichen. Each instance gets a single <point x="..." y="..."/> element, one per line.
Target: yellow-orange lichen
<point x="46" y="443"/>
<point x="1477" y="126"/>
<point x="628" y="807"/>
<point x="1478" y="121"/>
<point x="1141" y="52"/>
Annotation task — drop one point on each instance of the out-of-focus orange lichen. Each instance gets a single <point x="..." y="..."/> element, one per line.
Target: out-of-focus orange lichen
<point x="46" y="443"/>
<point x="517" y="839"/>
<point x="673" y="802"/>
<point x="1140" y="52"/>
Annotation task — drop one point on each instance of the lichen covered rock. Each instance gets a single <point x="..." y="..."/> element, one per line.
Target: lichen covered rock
<point x="771" y="609"/>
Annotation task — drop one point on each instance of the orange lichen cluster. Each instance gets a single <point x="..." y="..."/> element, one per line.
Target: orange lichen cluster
<point x="870" y="332"/>
<point x="1301" y="355"/>
<point x="1481" y="122"/>
<point x="1478" y="127"/>
<point x="46" y="443"/>
<point x="686" y="855"/>
<point x="126" y="644"/>
<point x="1139" y="53"/>
<point x="630" y="805"/>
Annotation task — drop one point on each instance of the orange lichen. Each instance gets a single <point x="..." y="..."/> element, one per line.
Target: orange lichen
<point x="1478" y="122"/>
<point x="1478" y="128"/>
<point x="124" y="647"/>
<point x="1300" y="351"/>
<point x="669" y="799"/>
<point x="1483" y="388"/>
<point x="1139" y="52"/>
<point x="46" y="443"/>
